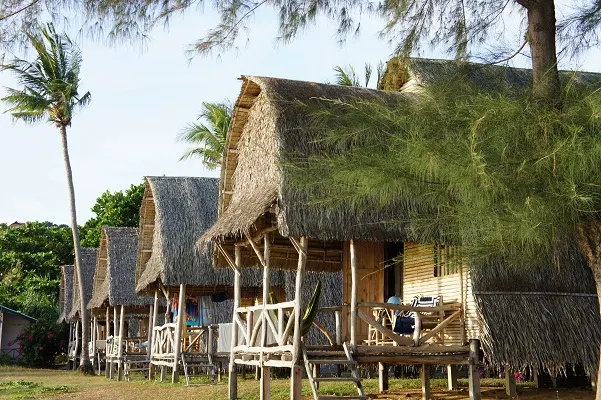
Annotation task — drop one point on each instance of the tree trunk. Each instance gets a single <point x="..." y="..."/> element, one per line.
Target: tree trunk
<point x="541" y="37"/>
<point x="85" y="364"/>
<point x="589" y="241"/>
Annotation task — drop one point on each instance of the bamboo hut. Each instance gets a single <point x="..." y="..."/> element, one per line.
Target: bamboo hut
<point x="176" y="211"/>
<point x="88" y="265"/>
<point x="114" y="292"/>
<point x="265" y="220"/>
<point x="65" y="298"/>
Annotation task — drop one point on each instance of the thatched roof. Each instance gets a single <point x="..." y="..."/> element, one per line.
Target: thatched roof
<point x="65" y="292"/>
<point x="115" y="276"/>
<point x="88" y="266"/>
<point x="175" y="212"/>
<point x="539" y="316"/>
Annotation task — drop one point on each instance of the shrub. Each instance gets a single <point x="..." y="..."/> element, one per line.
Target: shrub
<point x="40" y="343"/>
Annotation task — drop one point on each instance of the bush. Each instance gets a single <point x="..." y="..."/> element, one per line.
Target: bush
<point x="40" y="344"/>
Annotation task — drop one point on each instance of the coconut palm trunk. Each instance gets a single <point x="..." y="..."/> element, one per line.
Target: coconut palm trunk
<point x="85" y="364"/>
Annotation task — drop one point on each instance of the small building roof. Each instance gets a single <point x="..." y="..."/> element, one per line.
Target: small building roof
<point x="88" y="266"/>
<point x="115" y="274"/>
<point x="65" y="292"/>
<point x="175" y="212"/>
<point x="16" y="313"/>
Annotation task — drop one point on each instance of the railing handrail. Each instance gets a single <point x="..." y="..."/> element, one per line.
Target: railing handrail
<point x="260" y="307"/>
<point x="402" y="307"/>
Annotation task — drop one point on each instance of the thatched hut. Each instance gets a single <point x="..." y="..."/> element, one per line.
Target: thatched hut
<point x="65" y="295"/>
<point x="88" y="265"/>
<point x="258" y="203"/>
<point x="176" y="211"/>
<point x="114" y="290"/>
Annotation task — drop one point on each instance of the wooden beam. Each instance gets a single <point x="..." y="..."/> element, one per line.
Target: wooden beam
<point x="452" y="381"/>
<point x="400" y="340"/>
<point x="233" y="377"/>
<point x="177" y="340"/>
<point x="153" y="323"/>
<point x="296" y="382"/>
<point x="255" y="249"/>
<point x="354" y="286"/>
<point x="425" y="378"/>
<point x="233" y="265"/>
<point x="510" y="384"/>
<point x="474" y="375"/>
<point x="296" y="373"/>
<point x="439" y="327"/>
<point x="383" y="377"/>
<point x="120" y="343"/>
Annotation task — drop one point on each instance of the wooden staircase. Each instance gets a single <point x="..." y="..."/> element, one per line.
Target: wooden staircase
<point x="200" y="363"/>
<point x="345" y="357"/>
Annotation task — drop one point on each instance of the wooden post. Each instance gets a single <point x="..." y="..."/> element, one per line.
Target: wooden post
<point x="354" y="284"/>
<point x="77" y="346"/>
<point x="338" y="320"/>
<point x="535" y="377"/>
<point x="593" y="377"/>
<point x="316" y="373"/>
<point x="94" y="336"/>
<point x="120" y="344"/>
<point x="153" y="323"/>
<point x="106" y="346"/>
<point x="452" y="377"/>
<point x="425" y="378"/>
<point x="296" y="374"/>
<point x="181" y="320"/>
<point x="510" y="385"/>
<point x="115" y="325"/>
<point x="474" y="374"/>
<point x="296" y="382"/>
<point x="233" y="377"/>
<point x="383" y="377"/>
<point x="265" y="373"/>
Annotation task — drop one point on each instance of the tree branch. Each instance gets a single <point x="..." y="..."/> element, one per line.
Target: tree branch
<point x="3" y="17"/>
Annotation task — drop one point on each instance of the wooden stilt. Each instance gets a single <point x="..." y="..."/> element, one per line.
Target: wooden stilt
<point x="594" y="382"/>
<point x="425" y="378"/>
<point x="120" y="344"/>
<point x="265" y="372"/>
<point x="111" y="364"/>
<point x="474" y="374"/>
<point x="233" y="377"/>
<point x="296" y="374"/>
<point x="106" y="348"/>
<point x="510" y="385"/>
<point x="94" y="337"/>
<point x="535" y="377"/>
<point x="316" y="373"/>
<point x="452" y="377"/>
<point x="181" y="321"/>
<point x="70" y="341"/>
<point x="78" y="347"/>
<point x="354" y="285"/>
<point x="383" y="377"/>
<point x="296" y="382"/>
<point x="219" y="372"/>
<point x="155" y="315"/>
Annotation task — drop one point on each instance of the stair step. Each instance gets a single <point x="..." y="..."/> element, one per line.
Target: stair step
<point x="338" y="379"/>
<point x="332" y="361"/>
<point x="333" y="397"/>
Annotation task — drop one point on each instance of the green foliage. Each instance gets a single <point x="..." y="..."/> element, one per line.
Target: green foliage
<point x="50" y="83"/>
<point x="121" y="208"/>
<point x="208" y="139"/>
<point x="310" y="311"/>
<point x="501" y="175"/>
<point x="348" y="76"/>
<point x="40" y="343"/>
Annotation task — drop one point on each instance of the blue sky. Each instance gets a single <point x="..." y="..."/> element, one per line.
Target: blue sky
<point x="142" y="98"/>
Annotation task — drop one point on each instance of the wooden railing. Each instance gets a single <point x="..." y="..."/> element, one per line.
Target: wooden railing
<point x="429" y="322"/>
<point x="259" y="322"/>
<point x="195" y="340"/>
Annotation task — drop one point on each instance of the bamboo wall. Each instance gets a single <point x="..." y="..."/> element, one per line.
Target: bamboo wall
<point x="419" y="280"/>
<point x="370" y="260"/>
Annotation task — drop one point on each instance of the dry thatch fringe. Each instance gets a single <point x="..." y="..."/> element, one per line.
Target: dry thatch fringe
<point x="539" y="316"/>
<point x="88" y="266"/>
<point x="66" y="292"/>
<point x="118" y="269"/>
<point x="185" y="208"/>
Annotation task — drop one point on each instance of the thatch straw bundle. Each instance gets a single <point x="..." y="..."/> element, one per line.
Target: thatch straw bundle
<point x="65" y="293"/>
<point x="539" y="316"/>
<point x="115" y="276"/>
<point x="175" y="212"/>
<point x="88" y="266"/>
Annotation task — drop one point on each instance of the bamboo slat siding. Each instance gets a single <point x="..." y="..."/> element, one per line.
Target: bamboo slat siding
<point x="419" y="280"/>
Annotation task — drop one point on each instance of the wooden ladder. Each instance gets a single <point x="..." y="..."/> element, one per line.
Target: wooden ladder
<point x="209" y="364"/>
<point x="345" y="358"/>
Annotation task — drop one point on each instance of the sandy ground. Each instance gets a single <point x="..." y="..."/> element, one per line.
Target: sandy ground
<point x="92" y="388"/>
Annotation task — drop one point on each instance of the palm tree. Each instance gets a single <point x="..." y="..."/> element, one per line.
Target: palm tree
<point x="208" y="140"/>
<point x="50" y="92"/>
<point x="348" y="76"/>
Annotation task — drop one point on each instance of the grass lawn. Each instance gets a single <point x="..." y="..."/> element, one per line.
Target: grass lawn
<point x="22" y="383"/>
